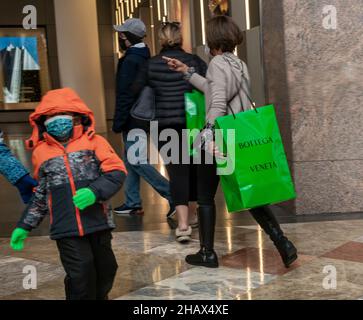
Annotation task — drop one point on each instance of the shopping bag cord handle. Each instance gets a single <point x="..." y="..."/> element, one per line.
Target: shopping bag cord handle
<point x="253" y="104"/>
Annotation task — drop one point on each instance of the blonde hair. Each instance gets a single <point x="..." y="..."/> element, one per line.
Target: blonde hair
<point x="170" y="35"/>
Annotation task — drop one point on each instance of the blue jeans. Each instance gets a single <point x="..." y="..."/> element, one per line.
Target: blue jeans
<point x="142" y="169"/>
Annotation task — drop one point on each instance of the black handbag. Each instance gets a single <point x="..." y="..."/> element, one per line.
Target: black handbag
<point x="144" y="107"/>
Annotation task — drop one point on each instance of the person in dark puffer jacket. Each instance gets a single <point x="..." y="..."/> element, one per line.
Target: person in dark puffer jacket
<point x="131" y="35"/>
<point x="170" y="88"/>
<point x="78" y="172"/>
<point x="13" y="170"/>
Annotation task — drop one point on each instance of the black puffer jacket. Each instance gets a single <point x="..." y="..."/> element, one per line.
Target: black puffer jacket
<point x="169" y="86"/>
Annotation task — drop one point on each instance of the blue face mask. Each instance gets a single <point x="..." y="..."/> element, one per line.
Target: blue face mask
<point x="60" y="127"/>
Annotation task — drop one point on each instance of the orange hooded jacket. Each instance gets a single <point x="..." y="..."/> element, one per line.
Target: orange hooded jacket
<point x="87" y="160"/>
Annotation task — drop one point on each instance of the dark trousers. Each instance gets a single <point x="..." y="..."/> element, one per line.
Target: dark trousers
<point x="207" y="183"/>
<point x="90" y="265"/>
<point x="182" y="176"/>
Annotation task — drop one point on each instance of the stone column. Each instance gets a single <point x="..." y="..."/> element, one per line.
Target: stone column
<point x="314" y="76"/>
<point x="79" y="54"/>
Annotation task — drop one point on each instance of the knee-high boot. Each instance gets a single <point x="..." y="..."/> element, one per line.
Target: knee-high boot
<point x="266" y="219"/>
<point x="206" y="257"/>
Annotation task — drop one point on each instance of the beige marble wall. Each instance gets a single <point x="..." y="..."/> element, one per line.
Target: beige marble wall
<point x="315" y="78"/>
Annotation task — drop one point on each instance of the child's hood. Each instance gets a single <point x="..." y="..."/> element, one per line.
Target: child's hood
<point x="56" y="101"/>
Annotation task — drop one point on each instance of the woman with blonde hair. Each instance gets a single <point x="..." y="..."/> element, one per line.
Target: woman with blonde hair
<point x="169" y="88"/>
<point x="226" y="88"/>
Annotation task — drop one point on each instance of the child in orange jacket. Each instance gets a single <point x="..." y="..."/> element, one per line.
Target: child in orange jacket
<point x="78" y="172"/>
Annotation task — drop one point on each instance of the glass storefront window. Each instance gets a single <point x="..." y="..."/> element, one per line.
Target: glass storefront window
<point x="24" y="75"/>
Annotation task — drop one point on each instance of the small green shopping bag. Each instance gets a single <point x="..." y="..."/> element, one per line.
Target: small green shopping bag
<point x="195" y="115"/>
<point x="261" y="174"/>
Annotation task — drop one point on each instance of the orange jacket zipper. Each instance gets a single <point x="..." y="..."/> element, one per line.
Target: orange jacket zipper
<point x="73" y="187"/>
<point x="51" y="140"/>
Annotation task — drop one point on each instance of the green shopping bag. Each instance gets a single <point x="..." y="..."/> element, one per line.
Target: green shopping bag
<point x="195" y="115"/>
<point x="261" y="174"/>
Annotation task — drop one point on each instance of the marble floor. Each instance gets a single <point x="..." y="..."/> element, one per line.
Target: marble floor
<point x="152" y="266"/>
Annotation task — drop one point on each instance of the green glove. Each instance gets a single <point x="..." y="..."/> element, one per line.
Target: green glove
<point x="17" y="239"/>
<point x="84" y="198"/>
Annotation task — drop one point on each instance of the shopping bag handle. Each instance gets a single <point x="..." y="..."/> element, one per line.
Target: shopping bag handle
<point x="253" y="104"/>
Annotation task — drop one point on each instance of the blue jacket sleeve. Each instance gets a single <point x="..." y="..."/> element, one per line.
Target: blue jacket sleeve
<point x="10" y="167"/>
<point x="126" y="74"/>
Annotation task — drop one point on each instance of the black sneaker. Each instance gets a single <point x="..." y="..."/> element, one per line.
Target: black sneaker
<point x="125" y="210"/>
<point x="171" y="213"/>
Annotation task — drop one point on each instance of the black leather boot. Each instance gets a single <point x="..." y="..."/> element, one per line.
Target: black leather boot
<point x="266" y="219"/>
<point x="206" y="257"/>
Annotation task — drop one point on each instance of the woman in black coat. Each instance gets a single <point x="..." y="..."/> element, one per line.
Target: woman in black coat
<point x="169" y="88"/>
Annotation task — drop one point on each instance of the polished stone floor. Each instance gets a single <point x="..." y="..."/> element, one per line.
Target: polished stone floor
<point x="151" y="263"/>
